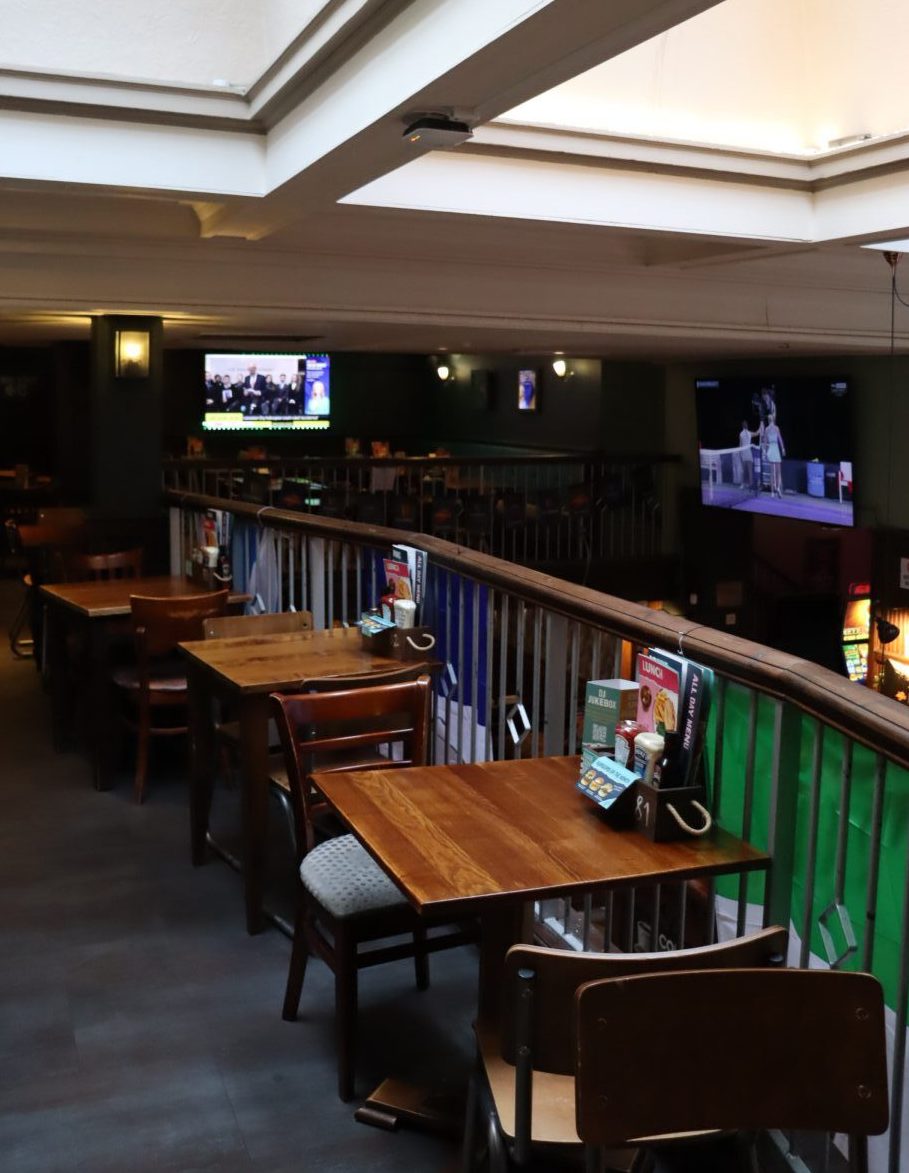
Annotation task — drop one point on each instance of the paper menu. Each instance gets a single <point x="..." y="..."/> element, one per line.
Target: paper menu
<point x="658" y="698"/>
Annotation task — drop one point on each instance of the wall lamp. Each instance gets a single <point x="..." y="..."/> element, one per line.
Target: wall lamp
<point x="131" y="354"/>
<point x="887" y="632"/>
<point x="445" y="373"/>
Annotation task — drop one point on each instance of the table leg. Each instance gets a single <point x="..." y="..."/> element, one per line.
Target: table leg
<point x="501" y="926"/>
<point x="254" y="759"/>
<point x="55" y="649"/>
<point x="104" y="740"/>
<point x="202" y="770"/>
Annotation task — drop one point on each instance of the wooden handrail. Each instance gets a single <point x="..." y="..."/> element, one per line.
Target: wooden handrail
<point x="860" y="713"/>
<point x="357" y="462"/>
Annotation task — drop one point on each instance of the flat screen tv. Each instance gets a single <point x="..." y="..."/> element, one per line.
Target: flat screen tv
<point x="528" y="396"/>
<point x="264" y="392"/>
<point x="780" y="446"/>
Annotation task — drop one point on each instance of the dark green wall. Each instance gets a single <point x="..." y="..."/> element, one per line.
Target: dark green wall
<point x="568" y="415"/>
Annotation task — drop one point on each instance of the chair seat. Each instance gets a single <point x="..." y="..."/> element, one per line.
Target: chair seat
<point x="345" y="880"/>
<point x="169" y="677"/>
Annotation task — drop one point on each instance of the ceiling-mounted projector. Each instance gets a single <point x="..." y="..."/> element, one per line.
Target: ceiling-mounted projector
<point x="435" y="130"/>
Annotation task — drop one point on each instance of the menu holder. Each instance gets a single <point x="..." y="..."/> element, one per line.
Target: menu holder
<point x="401" y="643"/>
<point x="208" y="577"/>
<point x="667" y="815"/>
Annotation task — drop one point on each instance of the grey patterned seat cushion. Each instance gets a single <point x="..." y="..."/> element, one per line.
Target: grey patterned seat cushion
<point x="346" y="880"/>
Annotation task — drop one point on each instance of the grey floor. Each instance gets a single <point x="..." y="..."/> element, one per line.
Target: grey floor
<point x="140" y="1026"/>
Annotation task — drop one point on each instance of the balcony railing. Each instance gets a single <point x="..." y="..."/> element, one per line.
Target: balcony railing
<point x="800" y="761"/>
<point x="537" y="510"/>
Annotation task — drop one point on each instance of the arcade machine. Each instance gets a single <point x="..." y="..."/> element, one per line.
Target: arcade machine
<point x="857" y="631"/>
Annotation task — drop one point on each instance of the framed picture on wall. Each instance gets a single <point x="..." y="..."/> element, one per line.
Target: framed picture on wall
<point x="528" y="391"/>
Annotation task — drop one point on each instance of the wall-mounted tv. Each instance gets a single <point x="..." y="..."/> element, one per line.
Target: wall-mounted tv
<point x="781" y="446"/>
<point x="263" y="392"/>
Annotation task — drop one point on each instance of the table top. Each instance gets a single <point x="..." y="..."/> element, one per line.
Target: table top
<point x="451" y="836"/>
<point x="109" y="598"/>
<point x="274" y="663"/>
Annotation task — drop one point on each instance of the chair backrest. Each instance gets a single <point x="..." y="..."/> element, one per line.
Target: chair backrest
<point x="742" y="1049"/>
<point x="558" y="973"/>
<point x="160" y="623"/>
<point x="337" y="723"/>
<point x="48" y="545"/>
<point x="239" y="626"/>
<point x="121" y="564"/>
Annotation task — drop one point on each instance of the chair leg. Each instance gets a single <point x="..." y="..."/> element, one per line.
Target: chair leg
<point x="142" y="739"/>
<point x="299" y="955"/>
<point x="345" y="949"/>
<point x="421" y="958"/>
<point x="470" y="1124"/>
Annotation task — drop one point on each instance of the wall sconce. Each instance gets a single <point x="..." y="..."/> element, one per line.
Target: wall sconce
<point x="444" y="371"/>
<point x="560" y="366"/>
<point x="131" y="354"/>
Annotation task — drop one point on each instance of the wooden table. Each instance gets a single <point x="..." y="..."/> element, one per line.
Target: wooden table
<point x="486" y="839"/>
<point x="244" y="672"/>
<point x="102" y="611"/>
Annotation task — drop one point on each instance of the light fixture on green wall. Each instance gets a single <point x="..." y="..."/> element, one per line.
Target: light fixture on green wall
<point x="560" y="366"/>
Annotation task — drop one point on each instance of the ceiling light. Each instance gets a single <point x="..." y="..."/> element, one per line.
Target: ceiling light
<point x="848" y="140"/>
<point x="436" y="130"/>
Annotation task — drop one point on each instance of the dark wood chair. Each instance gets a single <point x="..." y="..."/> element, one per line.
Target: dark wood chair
<point x="227" y="730"/>
<point x="523" y="1086"/>
<point x="157" y="679"/>
<point x="662" y="1055"/>
<point x="101" y="567"/>
<point x="345" y="899"/>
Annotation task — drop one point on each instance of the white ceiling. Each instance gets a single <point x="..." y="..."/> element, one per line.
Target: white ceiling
<point x="224" y="217"/>
<point x="187" y="42"/>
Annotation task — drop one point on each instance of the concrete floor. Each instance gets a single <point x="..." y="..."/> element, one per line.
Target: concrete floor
<point x="140" y="1026"/>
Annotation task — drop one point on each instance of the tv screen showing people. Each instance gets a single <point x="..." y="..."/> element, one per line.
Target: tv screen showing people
<point x="267" y="391"/>
<point x="781" y="446"/>
<point x="527" y="391"/>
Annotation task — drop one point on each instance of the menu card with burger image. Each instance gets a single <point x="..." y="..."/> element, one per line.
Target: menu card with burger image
<point x="658" y="696"/>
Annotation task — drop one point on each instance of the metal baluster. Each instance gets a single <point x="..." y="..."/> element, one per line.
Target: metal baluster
<point x="451" y="690"/>
<point x="461" y="669"/>
<point x="814" y="817"/>
<point x="474" y="670"/>
<point x="490" y="641"/>
<point x="519" y="663"/>
<point x="573" y="689"/>
<point x="358" y="580"/>
<point x="505" y="605"/>
<point x="345" y="583"/>
<point x="874" y="861"/>
<point x="607" y="920"/>
<point x="748" y="803"/>
<point x="537" y="680"/>
<point x="330" y="587"/>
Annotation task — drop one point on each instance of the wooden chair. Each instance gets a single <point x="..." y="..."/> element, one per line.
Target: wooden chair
<point x="100" y="567"/>
<point x="247" y="626"/>
<point x="157" y="680"/>
<point x="661" y="1055"/>
<point x="524" y="1082"/>
<point x="227" y="730"/>
<point x="345" y="899"/>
